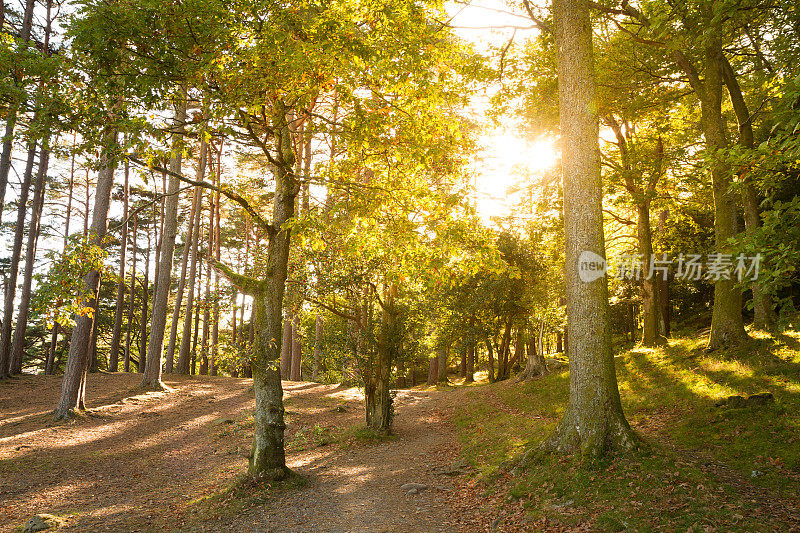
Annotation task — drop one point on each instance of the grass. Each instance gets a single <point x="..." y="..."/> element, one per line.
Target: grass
<point x="242" y="494"/>
<point x="703" y="463"/>
<point x="360" y="434"/>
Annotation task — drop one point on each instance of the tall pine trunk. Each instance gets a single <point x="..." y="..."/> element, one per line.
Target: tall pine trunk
<point x="186" y="338"/>
<point x="18" y="344"/>
<point x="16" y="251"/>
<point x="594" y="422"/>
<point x="74" y="383"/>
<point x="119" y="308"/>
<point x="152" y="373"/>
<point x="126" y="365"/>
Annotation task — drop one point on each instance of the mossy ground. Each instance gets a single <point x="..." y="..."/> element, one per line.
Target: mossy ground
<point x="703" y="466"/>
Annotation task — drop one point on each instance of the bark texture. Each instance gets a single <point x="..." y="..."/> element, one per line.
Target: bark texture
<point x="152" y="372"/>
<point x="74" y="383"/>
<point x="727" y="326"/>
<point x="594" y="423"/>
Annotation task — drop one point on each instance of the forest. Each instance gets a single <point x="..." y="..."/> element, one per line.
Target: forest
<point x="399" y="265"/>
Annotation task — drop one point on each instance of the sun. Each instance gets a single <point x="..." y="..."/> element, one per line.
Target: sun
<point x="510" y="161"/>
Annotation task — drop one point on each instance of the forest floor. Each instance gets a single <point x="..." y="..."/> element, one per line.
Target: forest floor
<point x="151" y="461"/>
<point x="174" y="461"/>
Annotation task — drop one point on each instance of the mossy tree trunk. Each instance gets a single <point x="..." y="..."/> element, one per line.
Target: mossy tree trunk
<point x="378" y="398"/>
<point x="267" y="457"/>
<point x="763" y="312"/>
<point x="594" y="423"/>
<point x="727" y="326"/>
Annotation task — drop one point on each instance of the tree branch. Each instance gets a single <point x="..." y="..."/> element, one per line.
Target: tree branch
<point x="246" y="284"/>
<point x="206" y="185"/>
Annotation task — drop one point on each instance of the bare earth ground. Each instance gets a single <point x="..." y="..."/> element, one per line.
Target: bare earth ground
<point x="147" y="461"/>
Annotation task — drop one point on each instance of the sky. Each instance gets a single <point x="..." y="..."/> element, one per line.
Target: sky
<point x="508" y="159"/>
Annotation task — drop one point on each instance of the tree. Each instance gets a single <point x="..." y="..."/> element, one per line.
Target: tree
<point x="155" y="348"/>
<point x="74" y="383"/>
<point x="594" y="423"/>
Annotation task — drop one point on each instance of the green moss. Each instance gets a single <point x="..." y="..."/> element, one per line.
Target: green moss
<point x="669" y="397"/>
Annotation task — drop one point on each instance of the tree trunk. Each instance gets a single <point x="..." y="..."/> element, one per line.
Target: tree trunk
<point x="267" y="458"/>
<point x="296" y="350"/>
<point x="318" y="333"/>
<point x="176" y="311"/>
<point x="116" y="336"/>
<point x="186" y="338"/>
<point x="378" y="398"/>
<point x="651" y="306"/>
<point x="441" y="365"/>
<point x="11" y="122"/>
<point x="217" y="237"/>
<point x="433" y="370"/>
<point x="74" y="383"/>
<point x="51" y="351"/>
<point x="490" y="355"/>
<point x="763" y="312"/>
<point x="16" y="251"/>
<point x="727" y="326"/>
<point x="126" y="364"/>
<point x="536" y="365"/>
<point x="145" y="304"/>
<point x="20" y="331"/>
<point x="286" y="348"/>
<point x="594" y="422"/>
<point x="663" y="284"/>
<point x="152" y="373"/>
<point x="470" y="376"/>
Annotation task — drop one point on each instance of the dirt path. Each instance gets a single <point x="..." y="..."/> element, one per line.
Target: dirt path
<point x="359" y="489"/>
<point x="142" y="461"/>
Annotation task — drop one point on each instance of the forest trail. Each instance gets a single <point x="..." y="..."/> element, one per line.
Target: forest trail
<point x="151" y="461"/>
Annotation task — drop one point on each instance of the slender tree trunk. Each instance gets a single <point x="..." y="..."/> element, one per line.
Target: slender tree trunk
<point x="296" y="350"/>
<point x="51" y="352"/>
<point x="74" y="384"/>
<point x="145" y="306"/>
<point x="126" y="365"/>
<point x="663" y="284"/>
<point x="193" y="369"/>
<point x="217" y="238"/>
<point x="16" y="251"/>
<point x="152" y="374"/>
<point x="318" y="333"/>
<point x="11" y="121"/>
<point x="176" y="312"/>
<point x="490" y="353"/>
<point x="18" y="344"/>
<point x="183" y="358"/>
<point x="286" y="348"/>
<point x="594" y="422"/>
<point x="763" y="312"/>
<point x="116" y="336"/>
